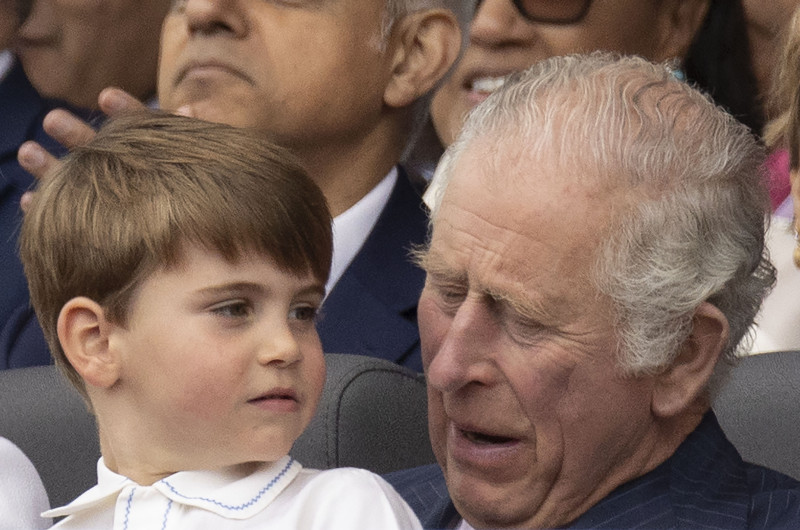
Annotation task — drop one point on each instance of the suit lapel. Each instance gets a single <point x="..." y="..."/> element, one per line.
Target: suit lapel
<point x="372" y="310"/>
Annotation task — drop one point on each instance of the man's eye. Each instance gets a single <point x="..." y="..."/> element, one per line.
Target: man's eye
<point x="234" y="309"/>
<point x="451" y="295"/>
<point x="306" y="313"/>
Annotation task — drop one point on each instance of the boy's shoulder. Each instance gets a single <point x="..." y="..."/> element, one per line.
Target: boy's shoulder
<point x="351" y="497"/>
<point x="343" y="481"/>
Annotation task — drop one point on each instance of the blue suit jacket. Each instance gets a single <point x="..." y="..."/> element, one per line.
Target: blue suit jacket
<point x="705" y="484"/>
<point x="372" y="310"/>
<point x="21" y="114"/>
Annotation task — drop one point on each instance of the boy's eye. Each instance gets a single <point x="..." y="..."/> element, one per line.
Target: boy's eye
<point x="303" y="313"/>
<point x="232" y="309"/>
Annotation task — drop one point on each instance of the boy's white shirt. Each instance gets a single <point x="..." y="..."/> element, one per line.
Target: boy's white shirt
<point x="277" y="495"/>
<point x="22" y="494"/>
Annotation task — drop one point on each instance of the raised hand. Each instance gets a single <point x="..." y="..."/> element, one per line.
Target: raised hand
<point x="70" y="131"/>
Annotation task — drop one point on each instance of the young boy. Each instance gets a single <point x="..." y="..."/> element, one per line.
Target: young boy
<point x="176" y="267"/>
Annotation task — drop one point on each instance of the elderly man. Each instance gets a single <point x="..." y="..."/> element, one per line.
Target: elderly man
<point x="596" y="257"/>
<point x="342" y="84"/>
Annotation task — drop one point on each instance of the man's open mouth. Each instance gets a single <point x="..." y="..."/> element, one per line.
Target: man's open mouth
<point x="485" y="439"/>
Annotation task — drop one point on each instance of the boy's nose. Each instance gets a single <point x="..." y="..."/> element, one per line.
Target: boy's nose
<point x="279" y="346"/>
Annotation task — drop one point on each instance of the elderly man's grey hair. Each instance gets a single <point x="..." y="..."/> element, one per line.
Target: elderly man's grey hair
<point x="694" y="229"/>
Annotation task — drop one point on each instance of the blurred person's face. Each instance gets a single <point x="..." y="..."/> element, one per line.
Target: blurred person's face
<point x="769" y="16"/>
<point x="9" y="21"/>
<point x="502" y="41"/>
<point x="765" y="22"/>
<point x="309" y="72"/>
<point x="72" y="49"/>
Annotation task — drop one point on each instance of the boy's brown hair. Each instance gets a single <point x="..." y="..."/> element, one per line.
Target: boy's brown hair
<point x="120" y="207"/>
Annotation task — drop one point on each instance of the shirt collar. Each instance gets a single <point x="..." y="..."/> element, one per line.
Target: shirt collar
<point x="227" y="492"/>
<point x="352" y="227"/>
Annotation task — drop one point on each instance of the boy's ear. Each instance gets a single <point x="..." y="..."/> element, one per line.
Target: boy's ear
<point x="683" y="383"/>
<point x="427" y="45"/>
<point x="677" y="27"/>
<point x="83" y="332"/>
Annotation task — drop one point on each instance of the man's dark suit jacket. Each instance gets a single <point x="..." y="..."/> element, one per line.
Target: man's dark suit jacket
<point x="705" y="484"/>
<point x="372" y="309"/>
<point x="21" y="113"/>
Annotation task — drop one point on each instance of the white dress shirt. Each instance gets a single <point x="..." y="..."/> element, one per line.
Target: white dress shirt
<point x="22" y="494"/>
<point x="352" y="227"/>
<point x="463" y="525"/>
<point x="6" y="62"/>
<point x="277" y="495"/>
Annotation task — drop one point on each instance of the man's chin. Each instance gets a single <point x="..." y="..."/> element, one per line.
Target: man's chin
<point x="487" y="515"/>
<point x="208" y="110"/>
<point x="485" y="505"/>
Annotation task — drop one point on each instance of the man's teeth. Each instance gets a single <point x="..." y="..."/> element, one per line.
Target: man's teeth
<point x="488" y="84"/>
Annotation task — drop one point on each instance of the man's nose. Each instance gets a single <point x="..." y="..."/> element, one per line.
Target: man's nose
<point x="212" y="17"/>
<point x="464" y="355"/>
<point x="498" y="23"/>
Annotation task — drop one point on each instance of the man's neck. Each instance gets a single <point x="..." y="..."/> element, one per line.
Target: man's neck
<point x="347" y="172"/>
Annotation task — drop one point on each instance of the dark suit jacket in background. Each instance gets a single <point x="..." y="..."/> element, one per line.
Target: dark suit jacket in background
<point x="21" y="114"/>
<point x="372" y="309"/>
<point x="705" y="484"/>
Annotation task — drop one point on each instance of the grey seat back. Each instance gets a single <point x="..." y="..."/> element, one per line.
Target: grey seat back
<point x="759" y="409"/>
<point x="49" y="422"/>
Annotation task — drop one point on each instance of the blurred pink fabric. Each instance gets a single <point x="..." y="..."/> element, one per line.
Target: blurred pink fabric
<point x="777" y="170"/>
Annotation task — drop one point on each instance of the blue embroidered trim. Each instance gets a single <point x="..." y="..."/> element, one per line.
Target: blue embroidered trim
<point x="128" y="507"/>
<point x="241" y="506"/>
<point x="166" y="513"/>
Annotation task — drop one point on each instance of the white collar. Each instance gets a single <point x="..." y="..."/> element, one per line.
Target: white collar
<point x="225" y="492"/>
<point x="6" y="62"/>
<point x="352" y="227"/>
<point x="464" y="525"/>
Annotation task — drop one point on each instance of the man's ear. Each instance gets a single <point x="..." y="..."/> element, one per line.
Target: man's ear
<point x="681" y="385"/>
<point x="83" y="331"/>
<point x="426" y="45"/>
<point x="678" y="26"/>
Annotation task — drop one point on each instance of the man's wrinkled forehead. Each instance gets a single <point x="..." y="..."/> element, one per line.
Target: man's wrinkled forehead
<point x="518" y="161"/>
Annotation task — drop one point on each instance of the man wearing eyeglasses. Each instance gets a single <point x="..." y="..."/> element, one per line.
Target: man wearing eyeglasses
<point x="507" y="36"/>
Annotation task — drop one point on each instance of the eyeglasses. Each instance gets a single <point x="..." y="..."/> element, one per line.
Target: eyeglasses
<point x="551" y="11"/>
